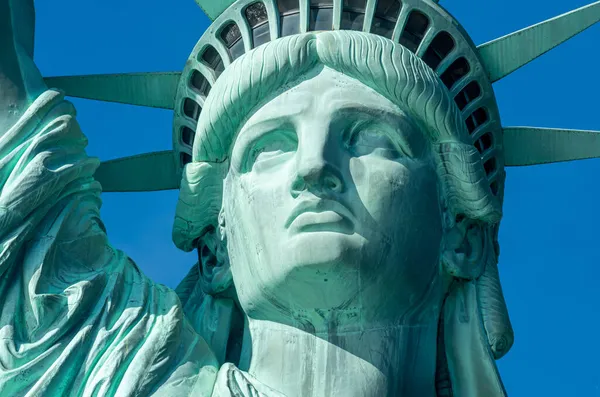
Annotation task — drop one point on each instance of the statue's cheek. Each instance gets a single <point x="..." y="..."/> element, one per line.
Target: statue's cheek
<point x="262" y="200"/>
<point x="379" y="183"/>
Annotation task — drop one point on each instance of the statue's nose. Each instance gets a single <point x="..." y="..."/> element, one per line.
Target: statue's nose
<point x="318" y="174"/>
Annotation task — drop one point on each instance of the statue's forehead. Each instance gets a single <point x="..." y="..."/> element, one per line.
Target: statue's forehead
<point x="330" y="98"/>
<point x="324" y="92"/>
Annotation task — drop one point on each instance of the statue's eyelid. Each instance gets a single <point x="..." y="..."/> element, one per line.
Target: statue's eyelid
<point x="385" y="129"/>
<point x="257" y="146"/>
<point x="351" y="133"/>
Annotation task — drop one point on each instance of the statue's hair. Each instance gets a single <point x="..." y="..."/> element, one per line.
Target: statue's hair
<point x="388" y="68"/>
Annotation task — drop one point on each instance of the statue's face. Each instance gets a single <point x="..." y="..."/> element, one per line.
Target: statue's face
<point x="332" y="208"/>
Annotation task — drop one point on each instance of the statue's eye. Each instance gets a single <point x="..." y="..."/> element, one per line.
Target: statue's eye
<point x="270" y="150"/>
<point x="372" y="140"/>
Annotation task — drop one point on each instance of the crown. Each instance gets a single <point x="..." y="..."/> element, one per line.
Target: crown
<point x="423" y="26"/>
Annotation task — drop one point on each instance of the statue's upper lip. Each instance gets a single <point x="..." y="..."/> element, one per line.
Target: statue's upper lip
<point x="317" y="206"/>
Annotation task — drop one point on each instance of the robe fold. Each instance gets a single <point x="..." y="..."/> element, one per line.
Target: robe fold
<point x="78" y="317"/>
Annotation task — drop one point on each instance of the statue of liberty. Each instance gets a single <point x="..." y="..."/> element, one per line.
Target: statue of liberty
<point x="341" y="175"/>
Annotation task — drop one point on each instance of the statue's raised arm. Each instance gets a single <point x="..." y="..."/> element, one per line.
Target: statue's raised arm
<point x="20" y="82"/>
<point x="77" y="317"/>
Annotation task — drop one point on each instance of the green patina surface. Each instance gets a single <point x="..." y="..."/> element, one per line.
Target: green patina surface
<point x="214" y="8"/>
<point x="308" y="153"/>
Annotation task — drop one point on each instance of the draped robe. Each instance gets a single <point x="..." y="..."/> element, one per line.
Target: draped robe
<point x="77" y="316"/>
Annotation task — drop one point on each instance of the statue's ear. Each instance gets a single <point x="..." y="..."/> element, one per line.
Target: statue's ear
<point x="464" y="249"/>
<point x="215" y="274"/>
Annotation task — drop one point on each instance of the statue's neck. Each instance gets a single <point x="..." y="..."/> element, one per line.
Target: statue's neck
<point x="395" y="361"/>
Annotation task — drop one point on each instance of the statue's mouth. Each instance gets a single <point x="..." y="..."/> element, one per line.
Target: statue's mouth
<point x="321" y="215"/>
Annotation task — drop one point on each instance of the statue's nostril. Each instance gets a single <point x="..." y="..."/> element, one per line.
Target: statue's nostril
<point x="332" y="184"/>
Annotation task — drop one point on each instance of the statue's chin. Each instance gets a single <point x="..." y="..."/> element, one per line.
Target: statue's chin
<point x="333" y="251"/>
<point x="322" y="268"/>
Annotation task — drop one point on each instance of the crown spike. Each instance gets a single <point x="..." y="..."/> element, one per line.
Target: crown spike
<point x="143" y="173"/>
<point x="214" y="8"/>
<point x="506" y="54"/>
<point x="142" y="89"/>
<point x="531" y="146"/>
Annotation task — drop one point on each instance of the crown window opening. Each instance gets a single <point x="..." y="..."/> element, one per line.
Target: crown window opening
<point x="321" y="19"/>
<point x="383" y="27"/>
<point x="355" y="5"/>
<point x="187" y="136"/>
<point x="288" y="6"/>
<point x="476" y="119"/>
<point x="353" y="15"/>
<point x="199" y="83"/>
<point x="455" y="72"/>
<point x="191" y="109"/>
<point x="258" y="19"/>
<point x="414" y="31"/>
<point x="290" y="24"/>
<point x="321" y="3"/>
<point x="352" y="20"/>
<point x="388" y="9"/>
<point x="494" y="188"/>
<point x="438" y="50"/>
<point x="211" y="58"/>
<point x="484" y="143"/>
<point x="490" y="165"/>
<point x="386" y="15"/>
<point x="256" y="14"/>
<point x="232" y="37"/>
<point x="230" y="34"/>
<point x="185" y="158"/>
<point x="261" y="34"/>
<point x="237" y="50"/>
<point x="467" y="94"/>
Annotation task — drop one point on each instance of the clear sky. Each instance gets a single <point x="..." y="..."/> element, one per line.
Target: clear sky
<point x="550" y="249"/>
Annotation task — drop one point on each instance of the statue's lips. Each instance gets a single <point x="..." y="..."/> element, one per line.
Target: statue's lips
<point x="321" y="216"/>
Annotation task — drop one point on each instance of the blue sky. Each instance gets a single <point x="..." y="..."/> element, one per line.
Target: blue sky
<point x="550" y="256"/>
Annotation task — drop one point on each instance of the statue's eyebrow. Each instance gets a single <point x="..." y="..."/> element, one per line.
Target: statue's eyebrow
<point x="254" y="132"/>
<point x="274" y="111"/>
<point x="412" y="137"/>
